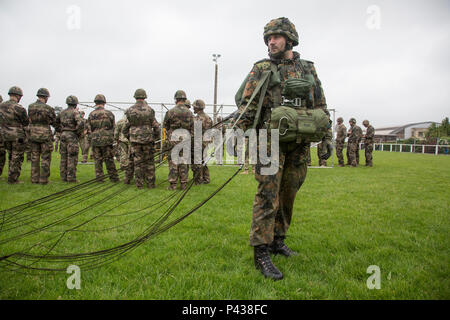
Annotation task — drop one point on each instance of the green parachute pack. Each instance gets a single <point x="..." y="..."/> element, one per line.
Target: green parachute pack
<point x="294" y="122"/>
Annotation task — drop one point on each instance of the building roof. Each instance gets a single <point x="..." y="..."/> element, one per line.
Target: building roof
<point x="398" y="129"/>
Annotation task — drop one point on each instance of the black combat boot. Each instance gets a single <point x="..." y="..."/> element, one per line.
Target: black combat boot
<point x="264" y="263"/>
<point x="279" y="247"/>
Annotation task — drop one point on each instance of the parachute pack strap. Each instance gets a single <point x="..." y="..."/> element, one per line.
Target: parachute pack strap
<point x="264" y="81"/>
<point x="261" y="99"/>
<point x="277" y="99"/>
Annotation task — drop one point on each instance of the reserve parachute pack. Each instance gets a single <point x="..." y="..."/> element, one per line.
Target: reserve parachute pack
<point x="295" y="122"/>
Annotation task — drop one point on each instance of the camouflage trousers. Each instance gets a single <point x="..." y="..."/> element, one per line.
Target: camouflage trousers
<point x="84" y="145"/>
<point x="28" y="150"/>
<point x="16" y="152"/>
<point x="308" y="157"/>
<point x="274" y="200"/>
<point x="124" y="154"/>
<point x="69" y="159"/>
<point x="321" y="151"/>
<point x="339" y="152"/>
<point x="178" y="172"/>
<point x="105" y="154"/>
<point x="368" y="149"/>
<point x="352" y="151"/>
<point x="142" y="161"/>
<point x="200" y="171"/>
<point x="41" y="157"/>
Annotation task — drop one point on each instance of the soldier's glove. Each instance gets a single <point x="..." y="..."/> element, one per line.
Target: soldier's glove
<point x="329" y="146"/>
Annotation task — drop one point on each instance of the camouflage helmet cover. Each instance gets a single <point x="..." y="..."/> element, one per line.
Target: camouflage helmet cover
<point x="16" y="90"/>
<point x="43" y="92"/>
<point x="281" y="26"/>
<point x="187" y="103"/>
<point x="366" y="122"/>
<point x="340" y="119"/>
<point x="140" y="94"/>
<point x="180" y="94"/>
<point x="352" y="120"/>
<point x="199" y="103"/>
<point x="100" y="98"/>
<point x="72" y="100"/>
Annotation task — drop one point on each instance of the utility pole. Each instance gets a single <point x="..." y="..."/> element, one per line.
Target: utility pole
<point x="215" y="57"/>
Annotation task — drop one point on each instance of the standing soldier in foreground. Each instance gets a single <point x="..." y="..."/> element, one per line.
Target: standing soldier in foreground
<point x="42" y="116"/>
<point x="141" y="128"/>
<point x="274" y="200"/>
<point x="368" y="142"/>
<point x="70" y="126"/>
<point x="84" y="142"/>
<point x="13" y="120"/>
<point x="341" y="134"/>
<point x="179" y="117"/>
<point x="354" y="135"/>
<point x="201" y="171"/>
<point x="101" y="131"/>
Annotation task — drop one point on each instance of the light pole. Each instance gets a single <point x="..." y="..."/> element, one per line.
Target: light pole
<point x="215" y="57"/>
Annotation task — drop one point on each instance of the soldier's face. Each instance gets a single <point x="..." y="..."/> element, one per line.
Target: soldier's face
<point x="276" y="43"/>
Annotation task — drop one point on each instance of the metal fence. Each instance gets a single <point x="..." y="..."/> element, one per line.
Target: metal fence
<point x="411" y="148"/>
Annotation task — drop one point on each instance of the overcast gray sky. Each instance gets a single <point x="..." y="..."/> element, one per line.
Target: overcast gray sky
<point x="392" y="70"/>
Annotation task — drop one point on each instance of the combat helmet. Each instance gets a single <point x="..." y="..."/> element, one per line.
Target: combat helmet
<point x="72" y="100"/>
<point x="43" y="92"/>
<point x="100" y="98"/>
<point x="340" y="119"/>
<point x="365" y="122"/>
<point x="16" y="90"/>
<point x="180" y="94"/>
<point x="187" y="103"/>
<point x="140" y="94"/>
<point x="281" y="26"/>
<point x="352" y="120"/>
<point x="199" y="103"/>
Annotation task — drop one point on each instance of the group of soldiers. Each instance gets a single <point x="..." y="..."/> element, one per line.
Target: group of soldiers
<point x="355" y="136"/>
<point x="135" y="136"/>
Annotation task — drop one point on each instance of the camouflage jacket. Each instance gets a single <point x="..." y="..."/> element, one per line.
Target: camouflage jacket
<point x="341" y="133"/>
<point x="13" y="120"/>
<point x="354" y="134"/>
<point x="69" y="124"/>
<point x="370" y="133"/>
<point x="178" y="117"/>
<point x="287" y="68"/>
<point x="118" y="134"/>
<point x="141" y="126"/>
<point x="207" y="122"/>
<point x="101" y="127"/>
<point x="84" y="132"/>
<point x="42" y="116"/>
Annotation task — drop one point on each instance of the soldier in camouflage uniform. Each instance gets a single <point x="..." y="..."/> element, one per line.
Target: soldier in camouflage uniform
<point x="354" y="136"/>
<point x="201" y="172"/>
<point x="70" y="126"/>
<point x="101" y="131"/>
<point x="13" y="121"/>
<point x="84" y="142"/>
<point x="42" y="116"/>
<point x="27" y="144"/>
<point x="124" y="148"/>
<point x="2" y="147"/>
<point x="141" y="128"/>
<point x="368" y="142"/>
<point x="341" y="134"/>
<point x="321" y="151"/>
<point x="179" y="117"/>
<point x="274" y="200"/>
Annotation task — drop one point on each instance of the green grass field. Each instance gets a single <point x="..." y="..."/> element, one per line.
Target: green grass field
<point x="394" y="215"/>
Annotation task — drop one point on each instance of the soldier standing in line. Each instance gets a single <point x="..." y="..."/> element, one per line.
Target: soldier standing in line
<point x="274" y="200"/>
<point x="13" y="121"/>
<point x="179" y="117"/>
<point x="201" y="171"/>
<point x="84" y="143"/>
<point x="2" y="147"/>
<point x="360" y="136"/>
<point x="101" y="131"/>
<point x="341" y="134"/>
<point x="42" y="116"/>
<point x="70" y="126"/>
<point x="354" y="135"/>
<point x="123" y="144"/>
<point x="141" y="129"/>
<point x="368" y="142"/>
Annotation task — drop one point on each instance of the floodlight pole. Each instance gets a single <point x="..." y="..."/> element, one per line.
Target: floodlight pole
<point x="215" y="57"/>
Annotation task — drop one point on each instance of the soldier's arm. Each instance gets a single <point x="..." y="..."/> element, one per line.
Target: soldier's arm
<point x="24" y="119"/>
<point x="370" y="133"/>
<point x="117" y="130"/>
<point x="319" y="100"/>
<point x="126" y="128"/>
<point x="248" y="116"/>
